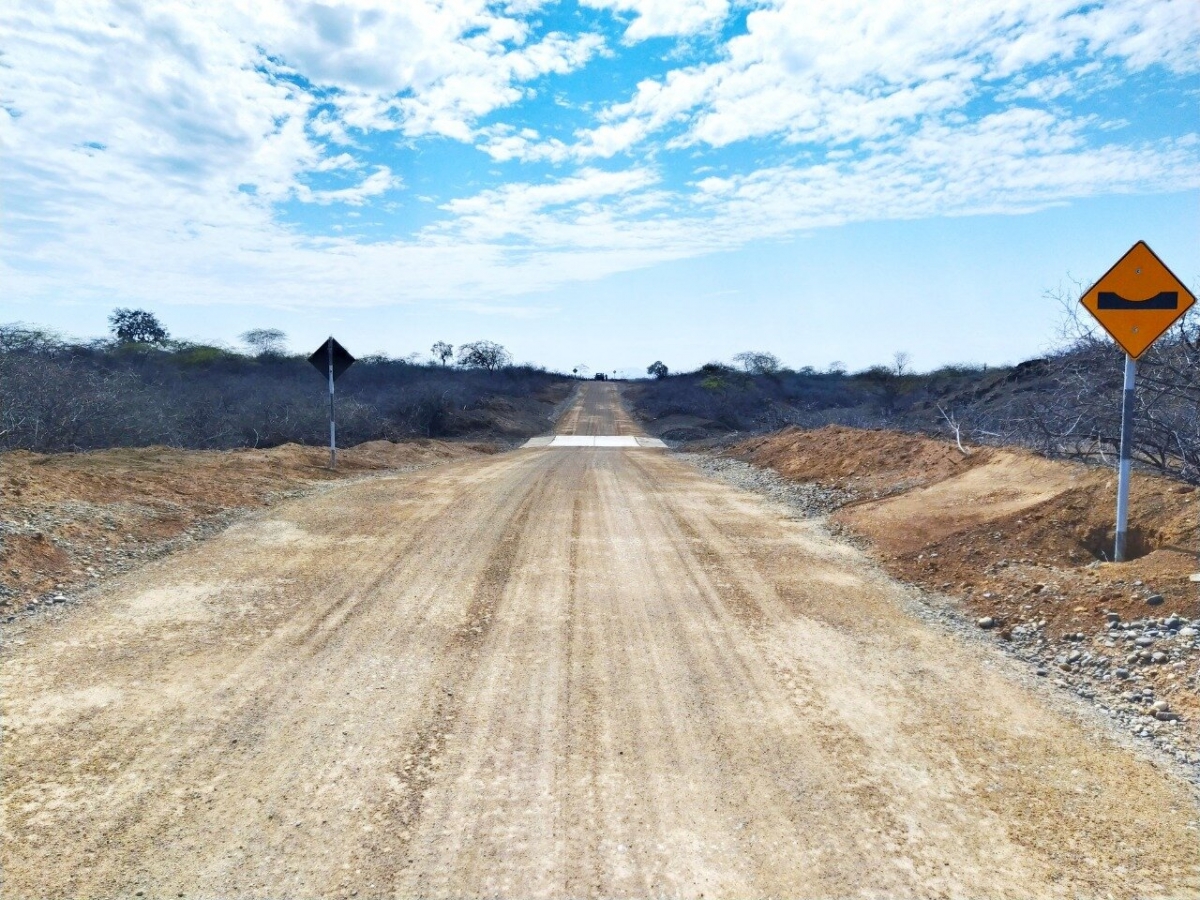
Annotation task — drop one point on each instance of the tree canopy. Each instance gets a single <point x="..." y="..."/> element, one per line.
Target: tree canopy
<point x="265" y="341"/>
<point x="136" y="326"/>
<point x="484" y="355"/>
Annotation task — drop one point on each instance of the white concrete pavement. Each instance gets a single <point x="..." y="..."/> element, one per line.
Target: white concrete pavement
<point x="563" y="441"/>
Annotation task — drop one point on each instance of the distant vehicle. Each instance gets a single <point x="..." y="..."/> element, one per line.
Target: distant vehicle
<point x="600" y="376"/>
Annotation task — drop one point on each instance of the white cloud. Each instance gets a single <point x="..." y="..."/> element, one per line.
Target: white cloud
<point x="504" y="143"/>
<point x="378" y="182"/>
<point x="477" y="85"/>
<point x="665" y="18"/>
<point x="148" y="147"/>
<point x="1011" y="162"/>
<point x="862" y="70"/>
<point x="549" y="214"/>
<point x="145" y="141"/>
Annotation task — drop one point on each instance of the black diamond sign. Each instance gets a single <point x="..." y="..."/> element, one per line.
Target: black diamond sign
<point x="332" y="350"/>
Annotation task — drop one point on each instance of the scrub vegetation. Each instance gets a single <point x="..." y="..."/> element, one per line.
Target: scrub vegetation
<point x="1067" y="404"/>
<point x="140" y="388"/>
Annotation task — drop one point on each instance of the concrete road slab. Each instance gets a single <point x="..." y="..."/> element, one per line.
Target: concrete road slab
<point x="563" y="441"/>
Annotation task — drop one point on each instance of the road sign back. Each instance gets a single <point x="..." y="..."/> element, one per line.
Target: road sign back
<point x="1137" y="300"/>
<point x="331" y="350"/>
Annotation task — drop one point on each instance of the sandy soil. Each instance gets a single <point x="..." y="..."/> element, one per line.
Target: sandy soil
<point x="69" y="519"/>
<point x="551" y="673"/>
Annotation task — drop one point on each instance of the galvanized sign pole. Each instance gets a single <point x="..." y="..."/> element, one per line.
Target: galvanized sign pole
<point x="331" y="360"/>
<point x="332" y="423"/>
<point x="1136" y="301"/>
<point x="1126" y="459"/>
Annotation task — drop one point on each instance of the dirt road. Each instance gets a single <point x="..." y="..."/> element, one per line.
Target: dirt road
<point x="597" y="410"/>
<point x="551" y="673"/>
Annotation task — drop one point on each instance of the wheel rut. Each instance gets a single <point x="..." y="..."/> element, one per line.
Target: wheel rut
<point x="547" y="673"/>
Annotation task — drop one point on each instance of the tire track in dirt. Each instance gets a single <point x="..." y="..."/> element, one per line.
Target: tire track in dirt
<point x="582" y="672"/>
<point x="417" y="763"/>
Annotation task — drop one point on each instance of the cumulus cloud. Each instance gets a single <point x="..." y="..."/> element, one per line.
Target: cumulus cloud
<point x="151" y="148"/>
<point x="665" y="18"/>
<point x="864" y="69"/>
<point x="378" y="182"/>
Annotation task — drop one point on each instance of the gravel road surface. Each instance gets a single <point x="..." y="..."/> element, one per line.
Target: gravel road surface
<point x="551" y="673"/>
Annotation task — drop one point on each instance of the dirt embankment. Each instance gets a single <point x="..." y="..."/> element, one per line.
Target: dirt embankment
<point x="1001" y="522"/>
<point x="1021" y="544"/>
<point x="68" y="519"/>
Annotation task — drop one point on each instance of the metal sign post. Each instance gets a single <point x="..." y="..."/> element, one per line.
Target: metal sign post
<point x="1136" y="301"/>
<point x="1126" y="458"/>
<point x="331" y="359"/>
<point x="332" y="420"/>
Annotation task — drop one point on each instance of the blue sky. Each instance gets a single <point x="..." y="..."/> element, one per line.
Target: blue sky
<point x="603" y="183"/>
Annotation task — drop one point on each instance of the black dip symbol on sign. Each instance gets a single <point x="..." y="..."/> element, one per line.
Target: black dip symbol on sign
<point x="1164" y="300"/>
<point x="332" y="359"/>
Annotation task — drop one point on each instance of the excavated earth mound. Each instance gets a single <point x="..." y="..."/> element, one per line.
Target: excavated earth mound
<point x="1021" y="544"/>
<point x="943" y="517"/>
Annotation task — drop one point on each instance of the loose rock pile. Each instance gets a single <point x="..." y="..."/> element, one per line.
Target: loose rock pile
<point x="1131" y="670"/>
<point x="806" y="499"/>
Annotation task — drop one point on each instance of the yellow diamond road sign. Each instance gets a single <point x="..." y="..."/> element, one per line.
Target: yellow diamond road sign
<point x="1137" y="300"/>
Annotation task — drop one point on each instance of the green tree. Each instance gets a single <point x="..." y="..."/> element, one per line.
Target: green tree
<point x="658" y="369"/>
<point x="136" y="326"/>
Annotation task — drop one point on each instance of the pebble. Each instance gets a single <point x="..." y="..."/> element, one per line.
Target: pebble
<point x="806" y="498"/>
<point x="986" y="622"/>
<point x="1154" y="600"/>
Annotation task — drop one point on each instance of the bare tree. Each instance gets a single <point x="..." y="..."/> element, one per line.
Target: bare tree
<point x="18" y="337"/>
<point x="955" y="428"/>
<point x="901" y="363"/>
<point x="1072" y="405"/>
<point x="265" y="341"/>
<point x="757" y="363"/>
<point x="484" y="355"/>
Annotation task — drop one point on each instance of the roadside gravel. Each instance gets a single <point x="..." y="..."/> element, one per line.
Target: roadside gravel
<point x="1104" y="669"/>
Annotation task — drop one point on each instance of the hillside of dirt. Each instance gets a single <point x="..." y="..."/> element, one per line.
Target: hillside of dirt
<point x="1020" y="544"/>
<point x="68" y="519"/>
<point x="949" y="519"/>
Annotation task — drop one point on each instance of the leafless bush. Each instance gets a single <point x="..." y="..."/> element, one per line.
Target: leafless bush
<point x="47" y="404"/>
<point x="1072" y="408"/>
<point x="1065" y="405"/>
<point x="57" y="396"/>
